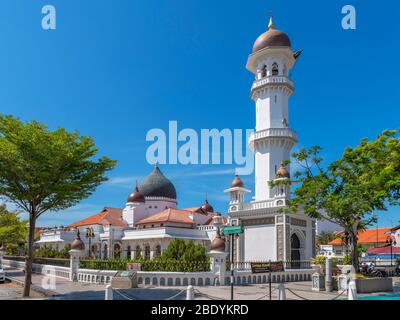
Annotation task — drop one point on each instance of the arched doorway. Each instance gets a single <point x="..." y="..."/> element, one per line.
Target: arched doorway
<point x="295" y="251"/>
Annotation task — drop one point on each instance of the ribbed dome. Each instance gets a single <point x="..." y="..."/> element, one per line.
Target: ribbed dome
<point x="218" y="244"/>
<point x="237" y="182"/>
<point x="136" y="196"/>
<point x="157" y="185"/>
<point x="207" y="207"/>
<point x="77" y="244"/>
<point x="282" y="172"/>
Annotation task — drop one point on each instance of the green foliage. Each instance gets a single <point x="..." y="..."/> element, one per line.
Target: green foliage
<point x="49" y="252"/>
<point x="13" y="231"/>
<point x="366" y="178"/>
<point x="326" y="237"/>
<point x="347" y="259"/>
<point x="179" y="249"/>
<point x="319" y="260"/>
<point x="43" y="170"/>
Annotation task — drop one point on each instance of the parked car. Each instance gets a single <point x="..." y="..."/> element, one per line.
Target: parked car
<point x="2" y="275"/>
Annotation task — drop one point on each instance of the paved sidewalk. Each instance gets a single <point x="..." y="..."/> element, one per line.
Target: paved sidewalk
<point x="67" y="290"/>
<point x="60" y="287"/>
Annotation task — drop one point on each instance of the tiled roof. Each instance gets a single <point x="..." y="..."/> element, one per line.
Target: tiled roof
<point x="384" y="250"/>
<point x="107" y="216"/>
<point x="169" y="215"/>
<point x="198" y="210"/>
<point x="367" y="236"/>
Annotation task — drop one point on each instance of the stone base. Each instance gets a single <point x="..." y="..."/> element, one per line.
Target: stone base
<point x="318" y="282"/>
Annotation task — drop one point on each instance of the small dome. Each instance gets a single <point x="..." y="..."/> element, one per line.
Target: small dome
<point x="77" y="244"/>
<point x="282" y="172"/>
<point x="237" y="182"/>
<point x="136" y="196"/>
<point x="207" y="207"/>
<point x="157" y="185"/>
<point x="218" y="244"/>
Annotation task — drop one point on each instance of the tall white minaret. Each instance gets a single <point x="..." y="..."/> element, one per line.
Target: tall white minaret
<point x="270" y="61"/>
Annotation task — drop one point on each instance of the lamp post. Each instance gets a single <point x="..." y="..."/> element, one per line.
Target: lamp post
<point x="90" y="235"/>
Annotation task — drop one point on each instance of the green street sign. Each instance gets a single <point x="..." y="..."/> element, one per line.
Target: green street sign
<point x="231" y="230"/>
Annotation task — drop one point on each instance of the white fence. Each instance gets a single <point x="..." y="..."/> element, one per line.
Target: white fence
<point x="62" y="272"/>
<point x="159" y="278"/>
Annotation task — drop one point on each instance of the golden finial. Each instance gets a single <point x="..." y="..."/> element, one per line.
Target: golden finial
<point x="271" y="24"/>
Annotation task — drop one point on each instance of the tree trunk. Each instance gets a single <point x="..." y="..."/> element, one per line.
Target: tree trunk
<point x="354" y="250"/>
<point x="29" y="257"/>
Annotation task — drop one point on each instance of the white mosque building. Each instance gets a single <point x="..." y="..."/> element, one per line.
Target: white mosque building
<point x="151" y="218"/>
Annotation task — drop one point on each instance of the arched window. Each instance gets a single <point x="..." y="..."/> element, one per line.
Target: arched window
<point x="158" y="250"/>
<point x="138" y="251"/>
<point x="275" y="69"/>
<point x="147" y="252"/>
<point x="117" y="251"/>
<point x="264" y="71"/>
<point x="105" y="251"/>
<point x="128" y="252"/>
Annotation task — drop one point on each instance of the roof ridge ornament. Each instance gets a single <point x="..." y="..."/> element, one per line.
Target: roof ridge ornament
<point x="271" y="24"/>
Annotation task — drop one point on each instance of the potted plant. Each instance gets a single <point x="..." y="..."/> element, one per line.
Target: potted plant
<point x="318" y="263"/>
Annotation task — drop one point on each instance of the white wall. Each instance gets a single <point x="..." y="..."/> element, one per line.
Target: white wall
<point x="259" y="243"/>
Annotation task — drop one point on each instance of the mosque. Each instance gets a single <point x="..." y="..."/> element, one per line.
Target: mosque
<point x="150" y="218"/>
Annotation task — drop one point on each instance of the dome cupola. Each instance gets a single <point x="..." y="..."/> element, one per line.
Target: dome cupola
<point x="282" y="173"/>
<point x="77" y="244"/>
<point x="218" y="244"/>
<point x="207" y="207"/>
<point x="136" y="196"/>
<point x="271" y="38"/>
<point x="237" y="182"/>
<point x="156" y="185"/>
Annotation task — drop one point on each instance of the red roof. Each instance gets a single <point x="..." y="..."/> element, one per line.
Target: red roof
<point x="107" y="216"/>
<point x="367" y="236"/>
<point x="169" y="215"/>
<point x="384" y="250"/>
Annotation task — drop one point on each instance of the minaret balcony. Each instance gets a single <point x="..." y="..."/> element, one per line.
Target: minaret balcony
<point x="272" y="81"/>
<point x="273" y="135"/>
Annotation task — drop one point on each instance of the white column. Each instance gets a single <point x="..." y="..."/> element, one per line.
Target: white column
<point x="75" y="257"/>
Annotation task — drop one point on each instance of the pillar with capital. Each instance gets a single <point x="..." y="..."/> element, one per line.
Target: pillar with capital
<point x="76" y="253"/>
<point x="218" y="258"/>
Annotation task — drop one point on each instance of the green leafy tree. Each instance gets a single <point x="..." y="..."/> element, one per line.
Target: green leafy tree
<point x="366" y="178"/>
<point x="13" y="230"/>
<point x="43" y="170"/>
<point x="325" y="237"/>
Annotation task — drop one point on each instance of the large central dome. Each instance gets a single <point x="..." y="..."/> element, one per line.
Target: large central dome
<point x="157" y="185"/>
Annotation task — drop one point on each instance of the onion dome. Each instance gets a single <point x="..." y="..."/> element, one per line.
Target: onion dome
<point x="218" y="244"/>
<point x="157" y="185"/>
<point x="271" y="38"/>
<point x="77" y="244"/>
<point x="282" y="172"/>
<point x="207" y="207"/>
<point x="237" y="182"/>
<point x="136" y="196"/>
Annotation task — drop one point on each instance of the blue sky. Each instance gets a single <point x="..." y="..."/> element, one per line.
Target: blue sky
<point x="116" y="69"/>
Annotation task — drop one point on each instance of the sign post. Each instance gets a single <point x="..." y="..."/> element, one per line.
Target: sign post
<point x="267" y="267"/>
<point x="232" y="231"/>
